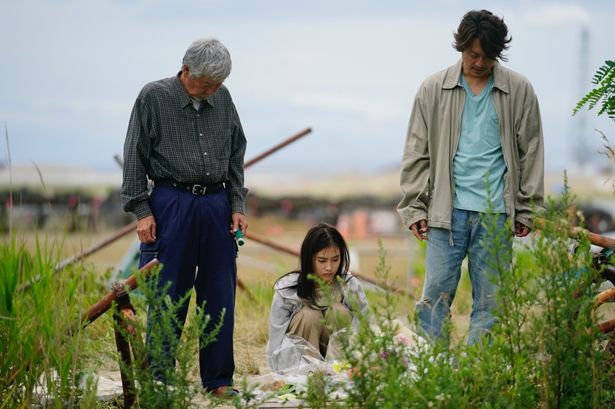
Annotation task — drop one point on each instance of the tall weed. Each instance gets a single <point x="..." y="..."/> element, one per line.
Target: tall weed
<point x="40" y="349"/>
<point x="545" y="350"/>
<point x="570" y="364"/>
<point x="170" y="384"/>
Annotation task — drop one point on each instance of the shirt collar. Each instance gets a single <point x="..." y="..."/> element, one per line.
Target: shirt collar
<point x="453" y="77"/>
<point x="184" y="98"/>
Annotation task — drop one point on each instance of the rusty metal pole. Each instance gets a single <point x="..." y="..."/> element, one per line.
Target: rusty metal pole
<point x="118" y="159"/>
<point x="73" y="259"/>
<point x="277" y="147"/>
<point x="604" y="296"/>
<point x="293" y="252"/>
<point x="123" y="315"/>
<point x="105" y="303"/>
<point x="607" y="326"/>
<point x="118" y="234"/>
<point x="104" y="243"/>
<point x="576" y="232"/>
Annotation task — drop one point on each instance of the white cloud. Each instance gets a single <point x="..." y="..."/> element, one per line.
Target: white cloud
<point x="372" y="110"/>
<point x="73" y="106"/>
<point x="552" y="14"/>
<point x="75" y="70"/>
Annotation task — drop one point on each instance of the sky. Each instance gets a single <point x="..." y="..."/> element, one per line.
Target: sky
<point x="71" y="71"/>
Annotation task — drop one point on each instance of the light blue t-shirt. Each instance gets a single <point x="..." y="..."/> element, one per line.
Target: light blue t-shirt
<point x="479" y="154"/>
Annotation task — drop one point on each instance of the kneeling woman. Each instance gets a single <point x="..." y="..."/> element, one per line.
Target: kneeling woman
<point x="312" y="303"/>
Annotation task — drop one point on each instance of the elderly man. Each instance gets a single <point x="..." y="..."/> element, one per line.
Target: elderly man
<point x="474" y="136"/>
<point x="185" y="135"/>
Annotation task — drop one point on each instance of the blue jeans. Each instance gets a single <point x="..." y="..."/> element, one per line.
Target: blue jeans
<point x="445" y="253"/>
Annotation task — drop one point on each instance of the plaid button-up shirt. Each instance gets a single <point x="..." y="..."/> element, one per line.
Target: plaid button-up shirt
<point x="168" y="139"/>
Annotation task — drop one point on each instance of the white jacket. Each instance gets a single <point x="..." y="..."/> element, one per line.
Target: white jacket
<point x="285" y="305"/>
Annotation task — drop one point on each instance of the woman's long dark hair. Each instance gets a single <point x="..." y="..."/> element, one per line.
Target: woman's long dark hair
<point x="317" y="238"/>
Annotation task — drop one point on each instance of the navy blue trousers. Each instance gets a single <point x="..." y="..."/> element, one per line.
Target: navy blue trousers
<point x="195" y="247"/>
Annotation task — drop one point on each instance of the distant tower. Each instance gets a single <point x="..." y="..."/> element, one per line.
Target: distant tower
<point x="5" y="159"/>
<point x="582" y="152"/>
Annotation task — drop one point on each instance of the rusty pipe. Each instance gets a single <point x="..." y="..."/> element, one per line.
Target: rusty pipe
<point x="277" y="147"/>
<point x="104" y="243"/>
<point x="576" y="231"/>
<point x="118" y="159"/>
<point x="73" y="259"/>
<point x="105" y="303"/>
<point x="607" y="326"/>
<point x="604" y="296"/>
<point x="123" y="324"/>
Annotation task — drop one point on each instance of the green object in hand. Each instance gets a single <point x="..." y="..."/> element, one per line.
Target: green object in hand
<point x="239" y="237"/>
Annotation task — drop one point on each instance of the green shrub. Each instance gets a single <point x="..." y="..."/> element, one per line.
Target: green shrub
<point x="47" y="358"/>
<point x="544" y="352"/>
<point x="171" y="384"/>
<point x="603" y="93"/>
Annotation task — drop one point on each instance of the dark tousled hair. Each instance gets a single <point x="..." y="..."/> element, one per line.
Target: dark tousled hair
<point x="317" y="238"/>
<point x="490" y="30"/>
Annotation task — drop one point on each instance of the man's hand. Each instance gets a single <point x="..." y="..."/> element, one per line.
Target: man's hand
<point x="238" y="221"/>
<point x="419" y="229"/>
<point x="521" y="230"/>
<point x="146" y="229"/>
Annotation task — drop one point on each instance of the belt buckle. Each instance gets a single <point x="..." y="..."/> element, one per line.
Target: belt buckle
<point x="198" y="189"/>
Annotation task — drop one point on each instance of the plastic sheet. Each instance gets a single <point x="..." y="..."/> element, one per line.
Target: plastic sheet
<point x="296" y="360"/>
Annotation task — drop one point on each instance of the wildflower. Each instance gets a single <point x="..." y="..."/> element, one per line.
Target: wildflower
<point x="339" y="366"/>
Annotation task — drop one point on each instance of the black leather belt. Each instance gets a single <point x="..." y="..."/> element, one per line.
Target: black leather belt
<point x="196" y="189"/>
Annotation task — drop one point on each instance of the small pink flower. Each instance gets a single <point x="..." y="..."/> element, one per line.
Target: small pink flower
<point x="402" y="339"/>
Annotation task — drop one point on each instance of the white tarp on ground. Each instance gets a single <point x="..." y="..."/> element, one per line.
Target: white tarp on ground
<point x="286" y="385"/>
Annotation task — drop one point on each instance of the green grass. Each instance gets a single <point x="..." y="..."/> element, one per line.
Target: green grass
<point x="545" y="354"/>
<point x="41" y="343"/>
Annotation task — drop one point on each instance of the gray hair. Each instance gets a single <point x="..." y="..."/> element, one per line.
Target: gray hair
<point x="208" y="57"/>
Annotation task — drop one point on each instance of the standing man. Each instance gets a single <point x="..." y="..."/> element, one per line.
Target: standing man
<point x="475" y="128"/>
<point x="185" y="135"/>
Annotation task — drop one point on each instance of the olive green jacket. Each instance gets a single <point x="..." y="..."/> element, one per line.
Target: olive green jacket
<point x="427" y="182"/>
